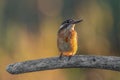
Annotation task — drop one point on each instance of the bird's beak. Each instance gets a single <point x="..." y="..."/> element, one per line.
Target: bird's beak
<point x="75" y="22"/>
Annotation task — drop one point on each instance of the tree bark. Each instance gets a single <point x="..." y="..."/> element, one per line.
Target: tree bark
<point x="77" y="61"/>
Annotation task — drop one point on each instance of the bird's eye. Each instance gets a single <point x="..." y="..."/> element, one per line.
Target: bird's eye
<point x="67" y="22"/>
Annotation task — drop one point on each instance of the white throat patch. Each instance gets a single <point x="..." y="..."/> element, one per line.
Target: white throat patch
<point x="61" y="26"/>
<point x="69" y="26"/>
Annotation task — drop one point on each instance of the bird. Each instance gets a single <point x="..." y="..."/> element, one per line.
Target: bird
<point x="67" y="38"/>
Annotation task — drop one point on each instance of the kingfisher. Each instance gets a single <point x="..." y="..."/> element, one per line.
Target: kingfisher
<point x="67" y="38"/>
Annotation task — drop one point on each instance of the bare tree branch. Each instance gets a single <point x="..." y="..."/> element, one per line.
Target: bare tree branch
<point x="77" y="61"/>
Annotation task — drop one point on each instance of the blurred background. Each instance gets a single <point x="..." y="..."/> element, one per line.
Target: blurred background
<point x="28" y="30"/>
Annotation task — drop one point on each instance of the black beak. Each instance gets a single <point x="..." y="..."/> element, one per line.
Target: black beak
<point x="75" y="22"/>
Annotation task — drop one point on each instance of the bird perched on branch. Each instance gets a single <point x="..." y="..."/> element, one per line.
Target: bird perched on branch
<point x="67" y="38"/>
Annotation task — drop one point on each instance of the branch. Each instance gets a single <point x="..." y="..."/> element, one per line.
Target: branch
<point x="77" y="61"/>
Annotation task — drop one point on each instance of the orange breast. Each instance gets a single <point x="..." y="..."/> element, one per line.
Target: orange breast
<point x="67" y="42"/>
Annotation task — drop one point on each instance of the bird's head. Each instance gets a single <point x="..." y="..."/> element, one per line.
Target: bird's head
<point x="69" y="24"/>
